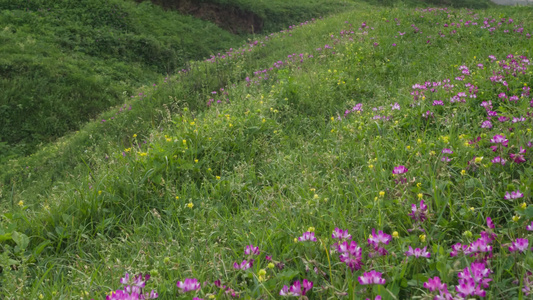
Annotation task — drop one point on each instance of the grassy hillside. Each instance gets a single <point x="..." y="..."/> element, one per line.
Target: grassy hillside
<point x="378" y="118"/>
<point x="63" y="62"/>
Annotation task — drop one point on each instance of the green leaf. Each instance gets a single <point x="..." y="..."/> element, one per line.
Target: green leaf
<point x="21" y="240"/>
<point x="5" y="237"/>
<point x="38" y="250"/>
<point x="528" y="212"/>
<point x="443" y="270"/>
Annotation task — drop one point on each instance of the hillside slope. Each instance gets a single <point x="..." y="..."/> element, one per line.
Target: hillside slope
<point x="64" y="62"/>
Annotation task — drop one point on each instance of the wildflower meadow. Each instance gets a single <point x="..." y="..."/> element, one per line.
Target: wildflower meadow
<point x="382" y="152"/>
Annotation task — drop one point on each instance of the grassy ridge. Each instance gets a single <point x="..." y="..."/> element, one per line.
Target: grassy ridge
<point x="272" y="156"/>
<point x="63" y="62"/>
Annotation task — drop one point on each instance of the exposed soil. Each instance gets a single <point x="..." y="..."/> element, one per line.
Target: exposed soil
<point x="227" y="17"/>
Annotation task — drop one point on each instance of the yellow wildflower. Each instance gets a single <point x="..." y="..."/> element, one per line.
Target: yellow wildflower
<point x="422" y="238"/>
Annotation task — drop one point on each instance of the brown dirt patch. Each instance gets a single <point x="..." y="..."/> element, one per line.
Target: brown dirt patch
<point x="227" y="17"/>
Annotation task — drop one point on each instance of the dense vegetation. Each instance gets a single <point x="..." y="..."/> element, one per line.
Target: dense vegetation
<point x="409" y="128"/>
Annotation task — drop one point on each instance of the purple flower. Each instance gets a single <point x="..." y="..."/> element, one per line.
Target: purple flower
<point x="400" y="170"/>
<point x="472" y="278"/>
<point x="437" y="102"/>
<point x="445" y="159"/>
<point x="468" y="287"/>
<point x="518" y="158"/>
<point x="486" y="105"/>
<point x="498" y="160"/>
<point x="251" y="250"/>
<point x="417" y="252"/>
<point x="377" y="241"/>
<point x="296" y="289"/>
<point x="341" y="234"/>
<point x="513" y="195"/>
<point x="380" y="238"/>
<point x="307" y="236"/>
<point x="122" y="295"/>
<point x="419" y="214"/>
<point x="490" y="224"/>
<point x="189" y="284"/>
<point x="245" y="264"/>
<point x="458" y="248"/>
<point x="371" y="277"/>
<point x="435" y="284"/>
<point x="395" y="106"/>
<point x="528" y="284"/>
<point x="518" y="119"/>
<point x="126" y="279"/>
<point x="351" y="255"/>
<point x="478" y="272"/>
<point x="486" y="124"/>
<point x="447" y="151"/>
<point x="427" y="114"/>
<point x="499" y="139"/>
<point x="520" y="245"/>
<point x="530" y="227"/>
<point x="133" y="288"/>
<point x="480" y="245"/>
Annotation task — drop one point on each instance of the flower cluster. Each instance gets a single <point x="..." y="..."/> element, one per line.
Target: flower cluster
<point x="133" y="288"/>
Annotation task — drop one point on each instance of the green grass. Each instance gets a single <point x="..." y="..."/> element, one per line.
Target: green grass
<point x="177" y="189"/>
<point x="64" y="62"/>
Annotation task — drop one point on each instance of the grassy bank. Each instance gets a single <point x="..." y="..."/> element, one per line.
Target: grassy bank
<point x="64" y="62"/>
